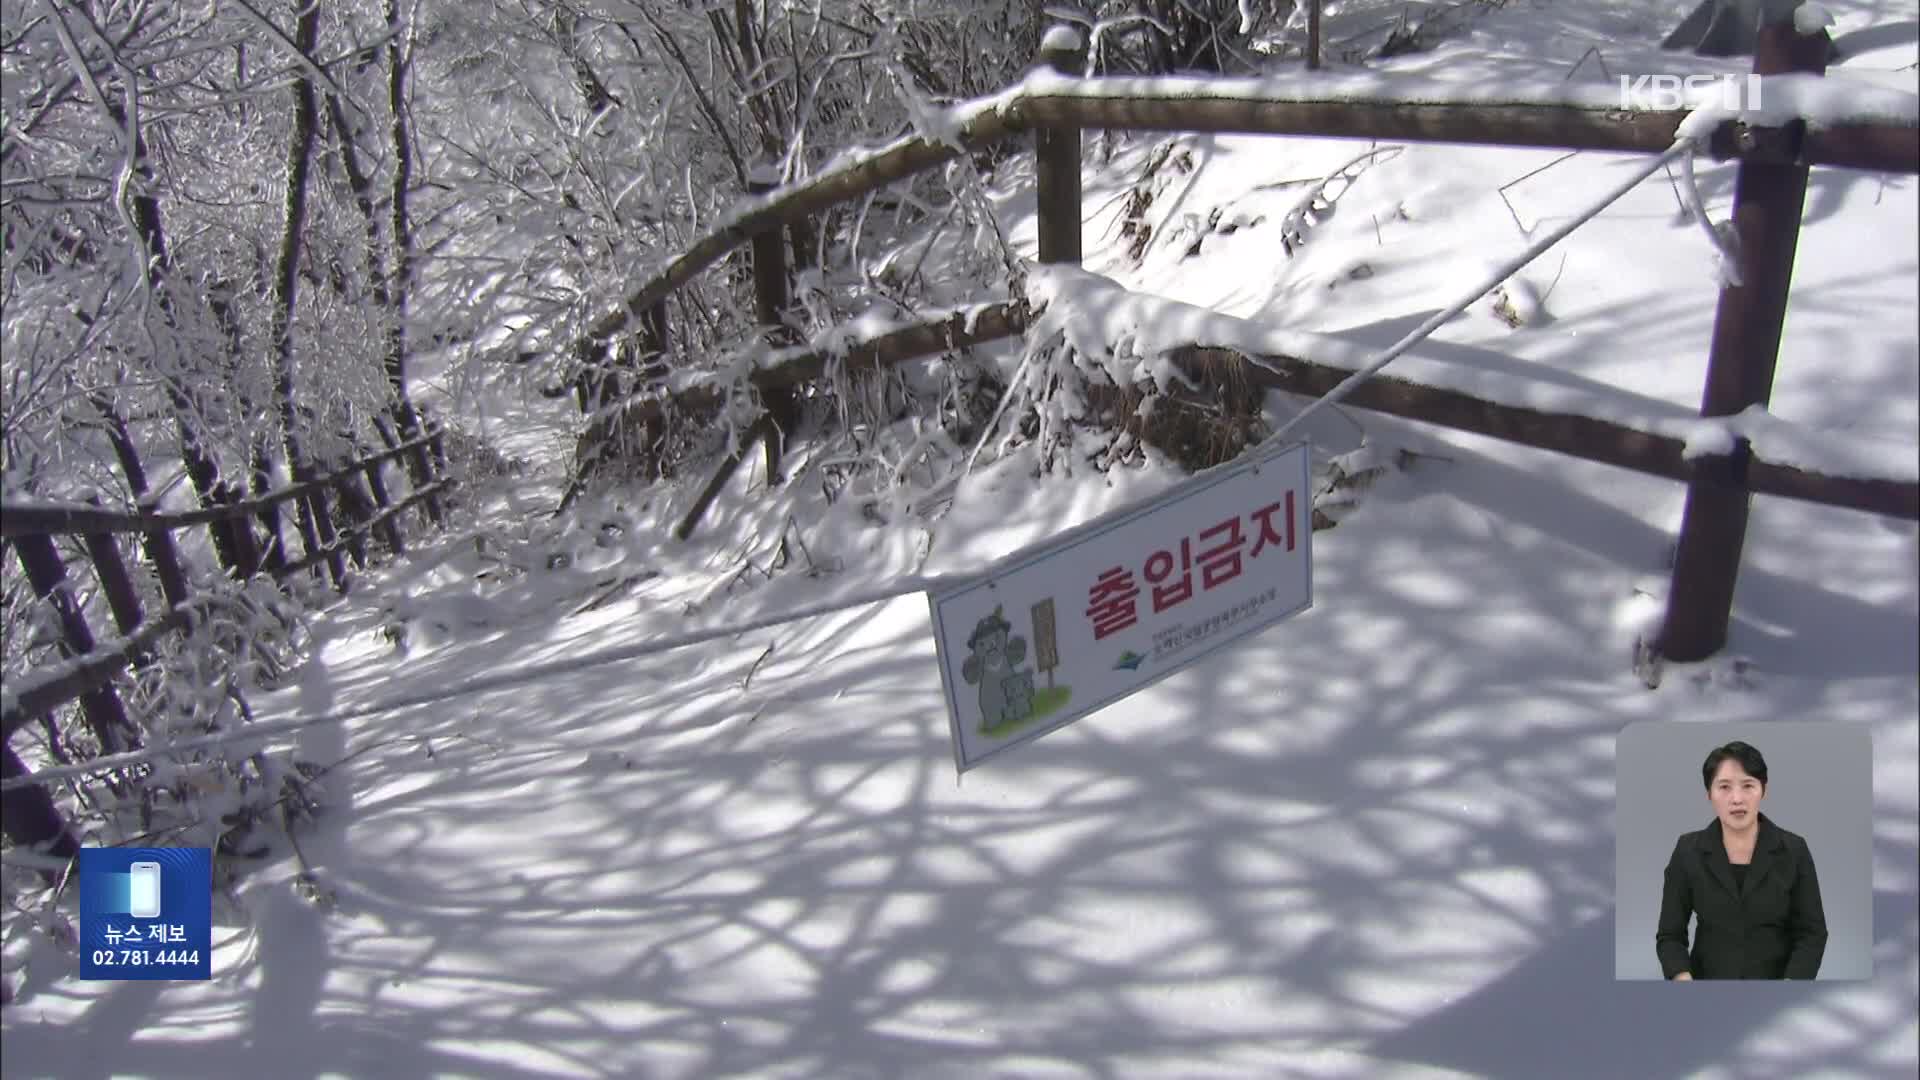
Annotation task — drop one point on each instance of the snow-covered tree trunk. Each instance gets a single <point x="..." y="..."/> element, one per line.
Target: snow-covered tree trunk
<point x="316" y="525"/>
<point x="396" y="287"/>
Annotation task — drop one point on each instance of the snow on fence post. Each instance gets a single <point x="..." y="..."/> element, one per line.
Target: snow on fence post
<point x="1056" y="158"/>
<point x="1768" y="200"/>
<point x="771" y="298"/>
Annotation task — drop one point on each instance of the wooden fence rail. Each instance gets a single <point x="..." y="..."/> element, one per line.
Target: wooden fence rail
<point x="1603" y="441"/>
<point x="382" y="519"/>
<point x="1882" y="133"/>
<point x="97" y="666"/>
<point x="21" y="519"/>
<point x="1583" y="121"/>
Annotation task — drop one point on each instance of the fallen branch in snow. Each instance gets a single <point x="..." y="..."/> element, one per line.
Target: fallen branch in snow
<point x="613" y="591"/>
<point x="274" y="729"/>
<point x="1318" y="203"/>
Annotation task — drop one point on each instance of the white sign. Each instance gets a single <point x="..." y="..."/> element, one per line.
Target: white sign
<point x="1076" y="624"/>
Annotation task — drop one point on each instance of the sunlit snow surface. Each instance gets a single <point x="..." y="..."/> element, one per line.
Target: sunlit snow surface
<point x="1375" y="841"/>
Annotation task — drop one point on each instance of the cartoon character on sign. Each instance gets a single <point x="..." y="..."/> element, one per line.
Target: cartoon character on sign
<point x="993" y="654"/>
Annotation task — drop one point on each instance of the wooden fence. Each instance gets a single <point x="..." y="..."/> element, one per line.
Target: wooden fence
<point x="88" y="673"/>
<point x="1769" y="193"/>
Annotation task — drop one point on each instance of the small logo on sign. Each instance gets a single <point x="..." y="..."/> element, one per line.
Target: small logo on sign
<point x="1129" y="661"/>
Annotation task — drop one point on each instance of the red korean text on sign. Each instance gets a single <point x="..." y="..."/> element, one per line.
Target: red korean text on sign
<point x="1264" y="516"/>
<point x="1110" y="603"/>
<point x="1180" y="590"/>
<point x="1221" y="563"/>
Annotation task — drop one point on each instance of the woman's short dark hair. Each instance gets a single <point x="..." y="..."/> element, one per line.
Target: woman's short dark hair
<point x="1749" y="759"/>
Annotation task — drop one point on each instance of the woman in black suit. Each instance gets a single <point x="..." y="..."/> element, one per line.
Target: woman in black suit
<point x="1750" y="882"/>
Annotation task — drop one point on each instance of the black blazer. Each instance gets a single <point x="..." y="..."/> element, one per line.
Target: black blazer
<point x="1773" y="928"/>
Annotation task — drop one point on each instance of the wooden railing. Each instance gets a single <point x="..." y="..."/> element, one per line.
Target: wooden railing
<point x="1054" y="110"/>
<point x="91" y="665"/>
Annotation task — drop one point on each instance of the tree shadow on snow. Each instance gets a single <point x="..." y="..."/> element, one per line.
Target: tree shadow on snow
<point x="1559" y="1012"/>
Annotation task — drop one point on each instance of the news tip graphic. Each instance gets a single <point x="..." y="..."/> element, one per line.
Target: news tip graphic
<point x="146" y="913"/>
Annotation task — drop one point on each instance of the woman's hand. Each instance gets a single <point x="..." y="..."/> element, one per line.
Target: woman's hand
<point x="1685" y="976"/>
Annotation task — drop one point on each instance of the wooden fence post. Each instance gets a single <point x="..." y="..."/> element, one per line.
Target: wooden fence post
<point x="437" y="455"/>
<point x="275" y="554"/>
<point x="1056" y="158"/>
<point x="1768" y="199"/>
<point x="157" y="542"/>
<point x="389" y="530"/>
<point x="358" y="510"/>
<point x="771" y="299"/>
<point x="438" y="445"/>
<point x="770" y="302"/>
<point x="106" y="716"/>
<point x="317" y="533"/>
<point x="111" y="570"/>
<point x="1313" y="35"/>
<point x="29" y="817"/>
<point x="235" y="534"/>
<point x="656" y="339"/>
<point x="408" y="422"/>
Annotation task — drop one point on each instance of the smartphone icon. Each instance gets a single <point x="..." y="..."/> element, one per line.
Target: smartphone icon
<point x="143" y="891"/>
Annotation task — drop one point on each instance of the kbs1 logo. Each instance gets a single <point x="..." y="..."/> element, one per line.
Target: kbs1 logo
<point x="1733" y="93"/>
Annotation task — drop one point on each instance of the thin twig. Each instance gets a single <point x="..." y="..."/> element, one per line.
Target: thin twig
<point x="1525" y="232"/>
<point x="756" y="666"/>
<point x="1593" y="51"/>
<point x="672" y="45"/>
<point x="1556" y="280"/>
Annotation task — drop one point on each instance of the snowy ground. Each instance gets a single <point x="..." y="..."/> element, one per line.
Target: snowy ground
<point x="1375" y="841"/>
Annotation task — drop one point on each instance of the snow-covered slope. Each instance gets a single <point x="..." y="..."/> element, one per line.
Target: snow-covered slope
<point x="1376" y="841"/>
